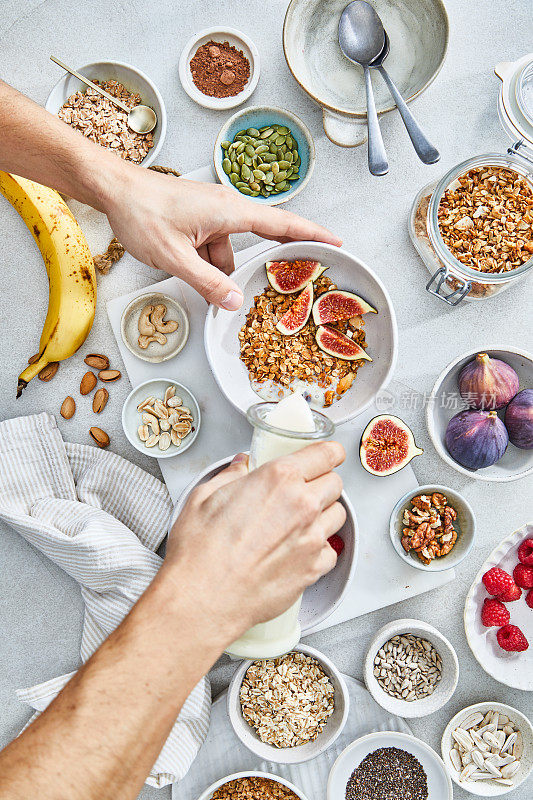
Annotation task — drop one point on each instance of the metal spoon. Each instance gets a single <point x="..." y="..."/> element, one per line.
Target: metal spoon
<point x="361" y="41"/>
<point x="423" y="147"/>
<point x="141" y="119"/>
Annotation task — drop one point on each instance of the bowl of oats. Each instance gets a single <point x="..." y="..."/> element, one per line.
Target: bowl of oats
<point x="315" y="319"/>
<point x="102" y="121"/>
<point x="289" y="709"/>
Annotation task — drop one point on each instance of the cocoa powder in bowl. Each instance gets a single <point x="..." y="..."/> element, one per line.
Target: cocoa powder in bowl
<point x="219" y="70"/>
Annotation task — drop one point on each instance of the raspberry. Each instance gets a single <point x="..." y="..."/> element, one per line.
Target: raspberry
<point x="512" y="639"/>
<point x="523" y="576"/>
<point x="494" y="613"/>
<point x="514" y="593"/>
<point x="337" y="543"/>
<point x="525" y="552"/>
<point x="529" y="598"/>
<point x="498" y="582"/>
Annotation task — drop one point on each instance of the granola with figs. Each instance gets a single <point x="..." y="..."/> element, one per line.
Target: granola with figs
<point x="429" y="527"/>
<point x="253" y="788"/>
<point x="486" y="219"/>
<point x="303" y="328"/>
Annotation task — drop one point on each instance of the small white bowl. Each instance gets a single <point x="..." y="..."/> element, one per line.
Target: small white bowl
<point x="439" y="783"/>
<point x="515" y="463"/>
<point x="209" y="792"/>
<point x="132" y="79"/>
<point x="155" y="353"/>
<point x="444" y="688"/>
<point x="304" y="752"/>
<point x="465" y="526"/>
<point x="131" y="418"/>
<point x="320" y="600"/>
<point x="236" y="39"/>
<point x="258" y="117"/>
<point x="490" y="788"/>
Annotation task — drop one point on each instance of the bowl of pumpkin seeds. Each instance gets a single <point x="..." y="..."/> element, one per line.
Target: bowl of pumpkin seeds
<point x="265" y="153"/>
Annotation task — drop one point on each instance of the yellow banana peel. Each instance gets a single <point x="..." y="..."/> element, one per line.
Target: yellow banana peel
<point x="70" y="268"/>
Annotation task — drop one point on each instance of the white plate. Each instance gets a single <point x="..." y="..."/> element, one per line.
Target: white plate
<point x="439" y="782"/>
<point x="512" y="669"/>
<point x="347" y="272"/>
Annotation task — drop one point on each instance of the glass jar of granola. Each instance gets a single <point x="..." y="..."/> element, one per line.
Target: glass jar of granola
<point x="474" y="228"/>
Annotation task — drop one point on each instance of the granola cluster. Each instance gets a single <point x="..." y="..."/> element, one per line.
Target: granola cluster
<point x="253" y="788"/>
<point x="269" y="355"/>
<point x="486" y="219"/>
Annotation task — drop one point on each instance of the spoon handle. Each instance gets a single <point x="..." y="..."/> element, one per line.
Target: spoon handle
<point x="377" y="157"/>
<point x="87" y="82"/>
<point x="423" y="147"/>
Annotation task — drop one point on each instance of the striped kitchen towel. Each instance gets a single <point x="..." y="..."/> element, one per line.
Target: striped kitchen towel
<point x="101" y="519"/>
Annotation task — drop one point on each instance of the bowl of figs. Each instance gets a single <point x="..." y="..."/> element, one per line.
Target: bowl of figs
<point x="480" y="414"/>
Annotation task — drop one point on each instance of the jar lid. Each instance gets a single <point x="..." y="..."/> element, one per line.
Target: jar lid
<point x="515" y="100"/>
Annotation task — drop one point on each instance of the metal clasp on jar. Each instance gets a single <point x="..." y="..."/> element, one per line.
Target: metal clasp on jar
<point x="440" y="279"/>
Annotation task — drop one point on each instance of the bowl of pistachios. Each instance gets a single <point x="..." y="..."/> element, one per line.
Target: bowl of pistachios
<point x="265" y="153"/>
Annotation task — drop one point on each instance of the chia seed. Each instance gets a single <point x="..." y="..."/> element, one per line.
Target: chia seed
<point x="388" y="774"/>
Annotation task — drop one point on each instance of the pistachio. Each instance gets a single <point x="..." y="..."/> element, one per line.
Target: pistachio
<point x="68" y="408"/>
<point x="88" y="382"/>
<point x="97" y="361"/>
<point x="48" y="372"/>
<point x="100" y="437"/>
<point x="100" y="400"/>
<point x="109" y="375"/>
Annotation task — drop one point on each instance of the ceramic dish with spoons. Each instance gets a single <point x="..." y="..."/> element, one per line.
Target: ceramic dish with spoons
<point x="512" y="669"/>
<point x="221" y="333"/>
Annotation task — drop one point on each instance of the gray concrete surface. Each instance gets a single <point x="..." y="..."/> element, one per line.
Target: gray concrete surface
<point x="40" y="607"/>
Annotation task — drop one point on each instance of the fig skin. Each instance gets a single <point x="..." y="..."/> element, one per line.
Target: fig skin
<point x="338" y="345"/>
<point x="387" y="446"/>
<point x="336" y="305"/>
<point x="289" y="277"/>
<point x="519" y="419"/>
<point x="476" y="439"/>
<point x="487" y="383"/>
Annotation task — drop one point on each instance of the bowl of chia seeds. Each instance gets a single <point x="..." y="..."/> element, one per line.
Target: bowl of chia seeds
<point x="389" y="764"/>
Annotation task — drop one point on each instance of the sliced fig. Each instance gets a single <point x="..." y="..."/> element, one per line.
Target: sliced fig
<point x="295" y="318"/>
<point x="289" y="277"/>
<point x="335" y="305"/>
<point x="387" y="445"/>
<point x="337" y="344"/>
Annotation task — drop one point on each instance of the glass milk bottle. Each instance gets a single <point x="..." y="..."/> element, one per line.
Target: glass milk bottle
<point x="279" y="429"/>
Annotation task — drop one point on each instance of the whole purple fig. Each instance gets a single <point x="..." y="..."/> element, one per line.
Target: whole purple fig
<point x="519" y="419"/>
<point x="487" y="382"/>
<point x="476" y="439"/>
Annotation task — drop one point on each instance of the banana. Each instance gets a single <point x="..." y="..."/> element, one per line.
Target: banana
<point x="70" y="268"/>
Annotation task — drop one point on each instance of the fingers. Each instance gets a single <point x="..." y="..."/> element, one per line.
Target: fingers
<point x="275" y="223"/>
<point x="221" y="254"/>
<point x="208" y="281"/>
<point x="326" y="489"/>
<point x="237" y="469"/>
<point x="317" y="459"/>
<point x="326" y="560"/>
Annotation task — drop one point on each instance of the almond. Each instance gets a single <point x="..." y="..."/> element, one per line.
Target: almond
<point x="99" y="436"/>
<point x="88" y="382"/>
<point x="68" y="408"/>
<point x="109" y="375"/>
<point x="48" y="372"/>
<point x="100" y="400"/>
<point x="97" y="361"/>
<point x="33" y="359"/>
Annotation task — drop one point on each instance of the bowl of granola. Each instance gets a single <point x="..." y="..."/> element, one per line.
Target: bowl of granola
<point x="103" y="122"/>
<point x="340" y="364"/>
<point x="252" y="786"/>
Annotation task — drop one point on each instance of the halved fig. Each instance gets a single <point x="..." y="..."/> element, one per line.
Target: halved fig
<point x="335" y="305"/>
<point x="295" y="318"/>
<point x="387" y="445"/>
<point x="337" y="344"/>
<point x="289" y="277"/>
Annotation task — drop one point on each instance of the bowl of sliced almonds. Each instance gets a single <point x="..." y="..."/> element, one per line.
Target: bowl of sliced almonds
<point x="161" y="418"/>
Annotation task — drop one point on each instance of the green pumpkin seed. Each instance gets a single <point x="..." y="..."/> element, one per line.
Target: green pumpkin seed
<point x="259" y="175"/>
<point x="294" y="176"/>
<point x="268" y="157"/>
<point x="262" y="148"/>
<point x="290" y="142"/>
<point x="254" y="194"/>
<point x="283" y="186"/>
<point x="255" y="186"/>
<point x="246" y="190"/>
<point x="273" y="149"/>
<point x="240" y="158"/>
<point x="297" y="162"/>
<point x="284" y="164"/>
<point x="289" y="171"/>
<point x="247" y="160"/>
<point x="252" y="132"/>
<point x="275" y="167"/>
<point x="245" y="172"/>
<point x="240" y="147"/>
<point x="234" y="177"/>
<point x="282" y="129"/>
<point x="249" y="150"/>
<point x="269" y="177"/>
<point x="235" y="167"/>
<point x="241" y="185"/>
<point x="279" y="140"/>
<point x="289" y="156"/>
<point x="280" y="176"/>
<point x="226" y="166"/>
<point x="266" y="132"/>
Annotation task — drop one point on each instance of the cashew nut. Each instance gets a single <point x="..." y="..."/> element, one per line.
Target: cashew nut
<point x="157" y="316"/>
<point x="146" y="328"/>
<point x="144" y="341"/>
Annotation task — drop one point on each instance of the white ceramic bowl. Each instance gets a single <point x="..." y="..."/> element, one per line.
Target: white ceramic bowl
<point x="132" y="78"/>
<point x="259" y="117"/>
<point x="515" y="463"/>
<point x="465" y="526"/>
<point x="131" y="418"/>
<point x="444" y="688"/>
<point x="305" y="752"/>
<point x="439" y="783"/>
<point x="154" y="353"/>
<point x="347" y="272"/>
<point x="236" y="39"/>
<point x="511" y="669"/>
<point x="490" y="788"/>
<point x="209" y="792"/>
<point x="320" y="600"/>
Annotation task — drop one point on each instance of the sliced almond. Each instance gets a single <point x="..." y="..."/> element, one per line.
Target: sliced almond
<point x="48" y="372"/>
<point x="109" y="375"/>
<point x="68" y="408"/>
<point x="100" y="400"/>
<point x="88" y="382"/>
<point x="97" y="361"/>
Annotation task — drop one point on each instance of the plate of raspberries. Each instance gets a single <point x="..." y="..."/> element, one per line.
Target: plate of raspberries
<point x="498" y="613"/>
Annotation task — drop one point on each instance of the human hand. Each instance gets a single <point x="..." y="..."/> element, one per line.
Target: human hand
<point x="248" y="544"/>
<point x="183" y="227"/>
